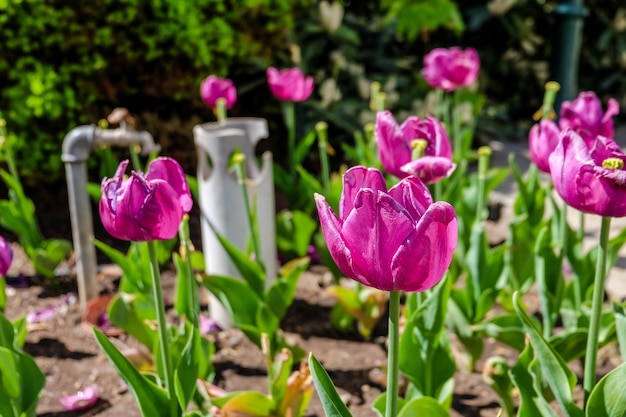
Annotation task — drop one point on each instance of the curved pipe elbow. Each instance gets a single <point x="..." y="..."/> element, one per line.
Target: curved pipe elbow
<point x="78" y="143"/>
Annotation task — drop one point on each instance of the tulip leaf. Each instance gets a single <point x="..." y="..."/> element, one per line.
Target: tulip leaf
<point x="280" y="295"/>
<point x="505" y="328"/>
<point x="550" y="282"/>
<point x="130" y="312"/>
<point x="187" y="369"/>
<point x="131" y="281"/>
<point x="555" y="371"/>
<point x="302" y="148"/>
<point x="620" y="326"/>
<point x="251" y="271"/>
<point x="239" y="300"/>
<point x="249" y="403"/>
<point x="532" y="403"/>
<point x="424" y="406"/>
<point x="8" y="370"/>
<point x="331" y="402"/>
<point x="608" y="398"/>
<point x="380" y="403"/>
<point x="185" y="289"/>
<point x="151" y="399"/>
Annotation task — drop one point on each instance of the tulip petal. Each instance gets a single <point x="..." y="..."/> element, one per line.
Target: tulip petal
<point x="372" y="232"/>
<point x="331" y="228"/>
<point x="412" y="194"/>
<point x="430" y="168"/>
<point x="353" y="180"/>
<point x="170" y="171"/>
<point x="82" y="400"/>
<point x="423" y="259"/>
<point x="161" y="213"/>
<point x="394" y="149"/>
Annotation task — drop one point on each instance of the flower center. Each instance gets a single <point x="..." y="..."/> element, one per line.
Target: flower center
<point x="419" y="146"/>
<point x="613" y="163"/>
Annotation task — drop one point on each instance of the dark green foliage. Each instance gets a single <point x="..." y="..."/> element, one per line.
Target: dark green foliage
<point x="69" y="63"/>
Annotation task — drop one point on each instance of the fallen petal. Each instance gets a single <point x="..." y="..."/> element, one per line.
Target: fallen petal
<point x="45" y="314"/>
<point x="82" y="400"/>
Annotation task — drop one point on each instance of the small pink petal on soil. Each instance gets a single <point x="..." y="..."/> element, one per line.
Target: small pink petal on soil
<point x="82" y="400"/>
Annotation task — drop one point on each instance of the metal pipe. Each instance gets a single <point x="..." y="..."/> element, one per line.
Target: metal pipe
<point x="570" y="15"/>
<point x="77" y="146"/>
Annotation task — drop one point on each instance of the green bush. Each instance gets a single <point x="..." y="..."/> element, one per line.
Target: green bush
<point x="69" y="63"/>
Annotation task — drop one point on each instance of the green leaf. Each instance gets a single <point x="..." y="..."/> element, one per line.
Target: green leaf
<point x="555" y="371"/>
<point x="282" y="291"/>
<point x="532" y="403"/>
<point x="132" y="313"/>
<point x="151" y="399"/>
<point x="239" y="300"/>
<point x="608" y="398"/>
<point x="620" y="326"/>
<point x="333" y="406"/>
<point x="249" y="403"/>
<point x="380" y="403"/>
<point x="9" y="375"/>
<point x="185" y="280"/>
<point x="131" y="281"/>
<point x="424" y="406"/>
<point x="187" y="369"/>
<point x="251" y="271"/>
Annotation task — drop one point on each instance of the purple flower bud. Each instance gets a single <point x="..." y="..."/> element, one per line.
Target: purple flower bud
<point x="395" y="147"/>
<point x="145" y="208"/>
<point x="289" y="84"/>
<point x="213" y="87"/>
<point x="390" y="240"/>
<point x="542" y="140"/>
<point x="449" y="69"/>
<point x="585" y="116"/>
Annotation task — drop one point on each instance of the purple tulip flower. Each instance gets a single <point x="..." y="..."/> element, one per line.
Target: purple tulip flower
<point x="213" y="87"/>
<point x="390" y="240"/>
<point x="289" y="84"/>
<point x="395" y="147"/>
<point x="6" y="256"/>
<point x="452" y="68"/>
<point x="590" y="180"/>
<point x="585" y="116"/>
<point x="150" y="207"/>
<point x="542" y="140"/>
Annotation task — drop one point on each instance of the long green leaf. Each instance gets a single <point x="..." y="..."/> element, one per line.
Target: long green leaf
<point x="151" y="399"/>
<point x="559" y="377"/>
<point x="239" y="300"/>
<point x="424" y="406"/>
<point x="608" y="398"/>
<point x="187" y="369"/>
<point x="333" y="406"/>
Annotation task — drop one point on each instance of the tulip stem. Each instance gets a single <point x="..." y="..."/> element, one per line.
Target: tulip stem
<point x="392" y="360"/>
<point x="322" y="142"/>
<point x="240" y="168"/>
<point x="589" y="380"/>
<point x="289" y="114"/>
<point x="166" y="360"/>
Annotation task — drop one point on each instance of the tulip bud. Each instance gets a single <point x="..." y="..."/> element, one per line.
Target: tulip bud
<point x="331" y="15"/>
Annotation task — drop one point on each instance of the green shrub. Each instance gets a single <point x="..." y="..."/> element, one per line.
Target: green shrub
<point x="69" y="63"/>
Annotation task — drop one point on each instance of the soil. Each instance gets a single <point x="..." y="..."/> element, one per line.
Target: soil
<point x="67" y="353"/>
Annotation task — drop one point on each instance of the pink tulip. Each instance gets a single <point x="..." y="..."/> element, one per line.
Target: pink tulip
<point x="289" y="84"/>
<point x="449" y="69"/>
<point x="150" y="207"/>
<point x="542" y="140"/>
<point x="395" y="147"/>
<point x="590" y="180"/>
<point x="585" y="116"/>
<point x="6" y="256"/>
<point x="390" y="240"/>
<point x="213" y="87"/>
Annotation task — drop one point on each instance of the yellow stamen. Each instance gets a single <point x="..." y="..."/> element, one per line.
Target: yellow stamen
<point x="613" y="163"/>
<point x="419" y="146"/>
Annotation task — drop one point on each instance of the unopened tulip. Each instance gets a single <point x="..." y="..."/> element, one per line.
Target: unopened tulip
<point x="542" y="140"/>
<point x="452" y="68"/>
<point x="143" y="208"/>
<point x="587" y="118"/>
<point x="6" y="256"/>
<point x="590" y="180"/>
<point x="390" y="240"/>
<point x="213" y="88"/>
<point x="289" y="84"/>
<point x="396" y="147"/>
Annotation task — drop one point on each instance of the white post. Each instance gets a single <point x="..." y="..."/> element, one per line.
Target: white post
<point x="221" y="200"/>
